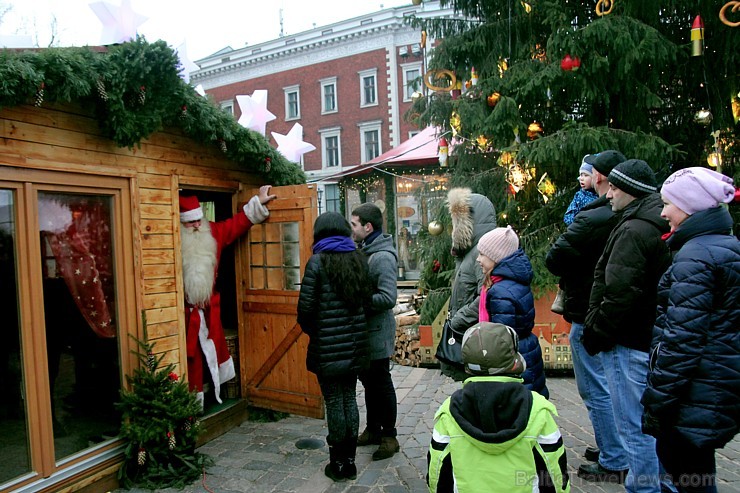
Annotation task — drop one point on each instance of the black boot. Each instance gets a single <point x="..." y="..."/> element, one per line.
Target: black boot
<point x="350" y="451"/>
<point x="335" y="469"/>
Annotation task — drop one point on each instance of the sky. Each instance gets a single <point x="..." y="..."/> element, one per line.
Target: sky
<point x="205" y="27"/>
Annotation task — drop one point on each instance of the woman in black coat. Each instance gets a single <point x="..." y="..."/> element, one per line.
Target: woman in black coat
<point x="692" y="400"/>
<point x="331" y="310"/>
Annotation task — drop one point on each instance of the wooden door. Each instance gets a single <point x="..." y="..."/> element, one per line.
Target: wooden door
<point x="270" y="266"/>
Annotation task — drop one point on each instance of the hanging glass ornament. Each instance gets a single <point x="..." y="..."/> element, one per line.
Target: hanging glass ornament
<point x="435" y="228"/>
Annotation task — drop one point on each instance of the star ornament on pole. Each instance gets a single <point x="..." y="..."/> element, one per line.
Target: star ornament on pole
<point x="254" y="111"/>
<point x="120" y="22"/>
<point x="292" y="145"/>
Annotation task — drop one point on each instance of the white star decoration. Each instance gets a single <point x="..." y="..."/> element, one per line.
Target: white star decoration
<point x="119" y="21"/>
<point x="186" y="63"/>
<point x="292" y="145"/>
<point x="254" y="111"/>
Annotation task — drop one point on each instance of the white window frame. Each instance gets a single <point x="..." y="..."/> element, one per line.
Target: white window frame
<point x="329" y="81"/>
<point x="228" y="106"/>
<point x="338" y="199"/>
<point x="325" y="134"/>
<point x="363" y="75"/>
<point x="373" y="126"/>
<point x="405" y="68"/>
<point x="290" y="90"/>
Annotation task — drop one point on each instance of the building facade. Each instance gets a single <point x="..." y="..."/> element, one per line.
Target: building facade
<point x="348" y="84"/>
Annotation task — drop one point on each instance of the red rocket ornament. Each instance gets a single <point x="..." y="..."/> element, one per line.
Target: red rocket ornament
<point x="697" y="37"/>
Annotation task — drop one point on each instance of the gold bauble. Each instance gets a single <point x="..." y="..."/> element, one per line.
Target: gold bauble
<point x="435" y="228"/>
<point x="493" y="99"/>
<point x="703" y="117"/>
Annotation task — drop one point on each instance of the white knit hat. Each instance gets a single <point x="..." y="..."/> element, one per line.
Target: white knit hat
<point x="498" y="243"/>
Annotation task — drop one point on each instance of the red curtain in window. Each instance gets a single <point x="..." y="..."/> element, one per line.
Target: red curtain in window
<point x="82" y="251"/>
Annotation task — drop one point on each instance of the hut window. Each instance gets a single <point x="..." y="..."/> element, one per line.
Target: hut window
<point x="275" y="261"/>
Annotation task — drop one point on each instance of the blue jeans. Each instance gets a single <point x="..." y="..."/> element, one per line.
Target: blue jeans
<point x="626" y="371"/>
<point x="594" y="391"/>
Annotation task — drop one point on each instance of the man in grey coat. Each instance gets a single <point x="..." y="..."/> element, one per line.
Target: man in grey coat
<point x="380" y="394"/>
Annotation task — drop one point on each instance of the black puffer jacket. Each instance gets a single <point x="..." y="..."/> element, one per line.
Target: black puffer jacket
<point x="693" y="386"/>
<point x="338" y="334"/>
<point x="575" y="253"/>
<point x="623" y="298"/>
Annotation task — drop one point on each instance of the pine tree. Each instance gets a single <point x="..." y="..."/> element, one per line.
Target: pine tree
<point x="160" y="426"/>
<point x="637" y="89"/>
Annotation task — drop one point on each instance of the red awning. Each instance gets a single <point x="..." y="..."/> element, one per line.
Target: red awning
<point x="419" y="150"/>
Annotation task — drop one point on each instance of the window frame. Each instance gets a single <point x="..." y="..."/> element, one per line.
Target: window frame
<point x="287" y="91"/>
<point x="228" y="106"/>
<point x="325" y="83"/>
<point x="326" y="134"/>
<point x="373" y="126"/>
<point x="363" y="74"/>
<point x="406" y="68"/>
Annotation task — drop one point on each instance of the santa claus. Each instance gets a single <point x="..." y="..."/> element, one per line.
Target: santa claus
<point x="202" y="242"/>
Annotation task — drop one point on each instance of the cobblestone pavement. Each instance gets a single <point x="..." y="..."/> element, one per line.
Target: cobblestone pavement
<point x="263" y="457"/>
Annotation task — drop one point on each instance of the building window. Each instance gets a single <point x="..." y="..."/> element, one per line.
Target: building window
<point x="331" y="192"/>
<point x="370" y="147"/>
<point x="292" y="103"/>
<point x="228" y="106"/>
<point x="331" y="151"/>
<point x="411" y="79"/>
<point x="329" y="95"/>
<point x="369" y="88"/>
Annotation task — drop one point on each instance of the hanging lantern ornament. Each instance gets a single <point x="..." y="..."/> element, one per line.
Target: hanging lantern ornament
<point x="423" y="39"/>
<point x="435" y="228"/>
<point x="443" y="151"/>
<point x="703" y="117"/>
<point x="492" y="100"/>
<point x="736" y="108"/>
<point x="697" y="37"/>
<point x="473" y="76"/>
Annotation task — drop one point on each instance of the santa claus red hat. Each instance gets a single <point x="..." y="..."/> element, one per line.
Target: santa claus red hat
<point x="190" y="209"/>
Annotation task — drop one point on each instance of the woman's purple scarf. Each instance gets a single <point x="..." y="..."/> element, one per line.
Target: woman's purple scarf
<point x="335" y="244"/>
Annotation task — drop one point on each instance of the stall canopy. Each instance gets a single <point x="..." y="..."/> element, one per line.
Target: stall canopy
<point x="419" y="150"/>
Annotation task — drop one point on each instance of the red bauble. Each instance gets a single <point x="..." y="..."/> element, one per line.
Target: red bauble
<point x="576" y="63"/>
<point x="567" y="63"/>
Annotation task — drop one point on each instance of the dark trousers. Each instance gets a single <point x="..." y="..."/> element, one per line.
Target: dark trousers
<point x="342" y="415"/>
<point x="693" y="469"/>
<point x="380" y="398"/>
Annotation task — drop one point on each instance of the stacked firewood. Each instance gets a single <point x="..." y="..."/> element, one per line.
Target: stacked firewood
<point x="407" y="339"/>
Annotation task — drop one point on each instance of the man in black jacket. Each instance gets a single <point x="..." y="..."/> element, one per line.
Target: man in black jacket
<point x="573" y="258"/>
<point x="622" y="309"/>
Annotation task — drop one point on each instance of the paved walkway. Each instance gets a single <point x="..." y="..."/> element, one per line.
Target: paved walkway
<point x="263" y="457"/>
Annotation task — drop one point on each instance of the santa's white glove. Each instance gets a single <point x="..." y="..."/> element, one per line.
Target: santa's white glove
<point x="255" y="210"/>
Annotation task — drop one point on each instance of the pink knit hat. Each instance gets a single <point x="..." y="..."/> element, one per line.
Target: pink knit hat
<point x="696" y="189"/>
<point x="498" y="243"/>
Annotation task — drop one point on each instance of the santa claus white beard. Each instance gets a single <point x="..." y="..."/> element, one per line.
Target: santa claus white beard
<point x="198" y="263"/>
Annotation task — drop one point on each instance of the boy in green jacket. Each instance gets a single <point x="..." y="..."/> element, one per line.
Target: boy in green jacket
<point x="494" y="434"/>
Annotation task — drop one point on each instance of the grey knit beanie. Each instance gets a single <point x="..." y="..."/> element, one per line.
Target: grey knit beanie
<point x="634" y="177"/>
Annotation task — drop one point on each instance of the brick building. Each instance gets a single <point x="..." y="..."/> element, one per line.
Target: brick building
<point x="348" y="84"/>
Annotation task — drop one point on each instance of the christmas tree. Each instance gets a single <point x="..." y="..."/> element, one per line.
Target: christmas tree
<point x="527" y="88"/>
<point x="160" y="426"/>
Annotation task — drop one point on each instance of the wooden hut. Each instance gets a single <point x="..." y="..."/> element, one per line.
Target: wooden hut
<point x="96" y="146"/>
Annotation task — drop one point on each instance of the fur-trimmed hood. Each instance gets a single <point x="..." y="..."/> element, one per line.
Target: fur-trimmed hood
<point x="473" y="215"/>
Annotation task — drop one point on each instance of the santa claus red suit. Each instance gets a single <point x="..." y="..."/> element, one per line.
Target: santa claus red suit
<point x="202" y="243"/>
